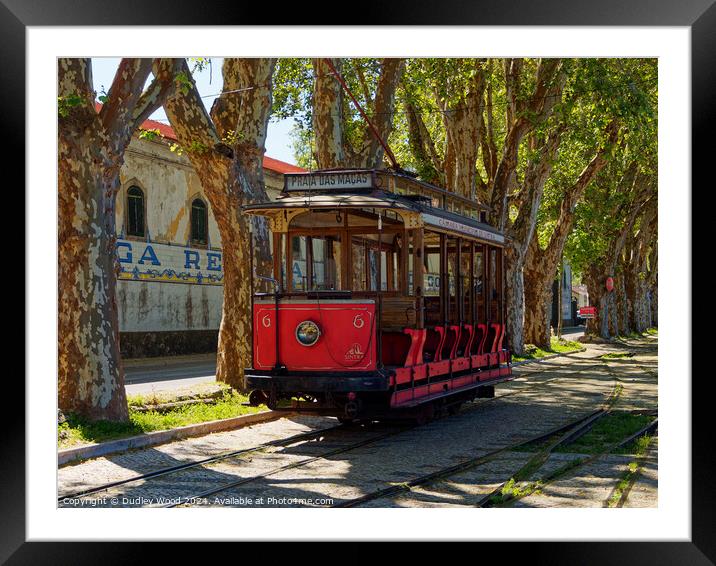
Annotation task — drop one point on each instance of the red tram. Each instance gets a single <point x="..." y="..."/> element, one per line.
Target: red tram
<point x="387" y="298"/>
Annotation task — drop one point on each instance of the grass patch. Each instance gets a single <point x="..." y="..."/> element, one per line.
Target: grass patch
<point x="631" y="335"/>
<point x="514" y="490"/>
<point x="607" y="431"/>
<point x="77" y="430"/>
<point x="638" y="447"/>
<point x="556" y="346"/>
<point x="652" y="331"/>
<point x="617" y="355"/>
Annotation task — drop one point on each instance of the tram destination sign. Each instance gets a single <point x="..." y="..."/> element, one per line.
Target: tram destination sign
<point x="459" y="227"/>
<point x="329" y="181"/>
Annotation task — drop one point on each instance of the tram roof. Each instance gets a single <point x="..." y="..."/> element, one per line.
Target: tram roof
<point x="407" y="205"/>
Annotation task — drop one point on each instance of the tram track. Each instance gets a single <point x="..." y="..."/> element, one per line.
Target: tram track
<point x="471" y="463"/>
<point x="202" y="462"/>
<point x="570" y="468"/>
<point x="279" y="443"/>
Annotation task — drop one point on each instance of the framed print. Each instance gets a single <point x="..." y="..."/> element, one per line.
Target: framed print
<point x="376" y="295"/>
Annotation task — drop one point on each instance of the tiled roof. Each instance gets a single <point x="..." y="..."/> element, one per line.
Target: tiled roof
<point x="166" y="131"/>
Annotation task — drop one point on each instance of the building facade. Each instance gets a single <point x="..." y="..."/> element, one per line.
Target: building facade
<point x="170" y="284"/>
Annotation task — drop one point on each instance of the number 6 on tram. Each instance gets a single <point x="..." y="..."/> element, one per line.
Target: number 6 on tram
<point x="387" y="299"/>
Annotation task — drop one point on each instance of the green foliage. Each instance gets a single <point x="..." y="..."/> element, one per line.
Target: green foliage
<point x="607" y="431"/>
<point x="557" y="346"/>
<point x="151" y="135"/>
<point x="66" y="103"/>
<point x="102" y="95"/>
<point x="184" y="82"/>
<point x="199" y="63"/>
<point x="194" y="147"/>
<point x="293" y="90"/>
<point x="232" y="137"/>
<point x="77" y="430"/>
<point x="197" y="147"/>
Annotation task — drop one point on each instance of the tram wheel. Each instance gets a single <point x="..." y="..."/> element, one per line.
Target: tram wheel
<point x="454" y="409"/>
<point x="426" y="414"/>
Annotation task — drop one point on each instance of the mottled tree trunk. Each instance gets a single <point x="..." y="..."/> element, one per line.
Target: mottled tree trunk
<point x="599" y="297"/>
<point x="543" y="265"/>
<point x="654" y="304"/>
<point x="332" y="149"/>
<point x="614" y="313"/>
<point x="226" y="150"/>
<point x="90" y="378"/>
<point x="524" y="242"/>
<point x="463" y="128"/>
<point x="514" y="300"/>
<point x="622" y="301"/>
<point x="538" y="303"/>
<point x="91" y="149"/>
<point x="371" y="154"/>
<point x="328" y="115"/>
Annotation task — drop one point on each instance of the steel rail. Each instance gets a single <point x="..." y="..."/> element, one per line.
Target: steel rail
<point x="579" y="463"/>
<point x="293" y="465"/>
<point x="281" y="442"/>
<point x="203" y="461"/>
<point x="538" y="460"/>
<point x="333" y="452"/>
<point x="633" y="476"/>
<point x="456" y="468"/>
<point x="470" y="463"/>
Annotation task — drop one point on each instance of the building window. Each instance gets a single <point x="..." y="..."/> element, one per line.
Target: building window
<point x="135" y="212"/>
<point x="199" y="222"/>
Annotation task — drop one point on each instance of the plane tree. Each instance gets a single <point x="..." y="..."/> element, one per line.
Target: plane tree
<point x="497" y="135"/>
<point x="613" y="106"/>
<point x="225" y="147"/>
<point x="329" y="131"/>
<point x="92" y="140"/>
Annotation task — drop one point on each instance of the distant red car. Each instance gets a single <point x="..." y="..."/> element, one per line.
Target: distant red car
<point x="587" y="312"/>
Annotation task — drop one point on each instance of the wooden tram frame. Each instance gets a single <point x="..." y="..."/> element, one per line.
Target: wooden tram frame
<point x="409" y="208"/>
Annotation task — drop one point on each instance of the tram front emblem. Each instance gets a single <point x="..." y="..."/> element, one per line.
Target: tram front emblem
<point x="354" y="353"/>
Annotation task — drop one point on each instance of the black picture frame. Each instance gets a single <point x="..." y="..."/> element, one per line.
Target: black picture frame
<point x="699" y="15"/>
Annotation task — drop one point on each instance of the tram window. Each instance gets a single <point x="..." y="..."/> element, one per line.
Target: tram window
<point x="359" y="276"/>
<point x="325" y="263"/>
<point x="432" y="275"/>
<point x="493" y="273"/>
<point x="465" y="270"/>
<point x="281" y="260"/>
<point x="366" y="264"/>
<point x="373" y="269"/>
<point x="299" y="264"/>
<point x="452" y="313"/>
<point x="478" y="282"/>
<point x="495" y="284"/>
<point x="431" y="279"/>
<point x="409" y="249"/>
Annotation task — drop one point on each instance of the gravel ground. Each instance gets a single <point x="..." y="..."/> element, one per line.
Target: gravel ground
<point x="542" y="397"/>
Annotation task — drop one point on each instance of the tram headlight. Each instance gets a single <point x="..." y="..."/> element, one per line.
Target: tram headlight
<point x="307" y="333"/>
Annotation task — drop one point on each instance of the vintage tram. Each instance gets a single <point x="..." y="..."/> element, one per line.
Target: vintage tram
<point x="386" y="298"/>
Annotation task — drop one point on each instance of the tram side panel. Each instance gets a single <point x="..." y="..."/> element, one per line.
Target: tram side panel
<point x="346" y="339"/>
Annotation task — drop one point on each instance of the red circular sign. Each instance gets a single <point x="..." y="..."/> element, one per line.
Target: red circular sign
<point x="610" y="284"/>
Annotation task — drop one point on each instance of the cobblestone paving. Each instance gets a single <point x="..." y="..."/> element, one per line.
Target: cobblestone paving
<point x="644" y="492"/>
<point x="542" y="397"/>
<point x="98" y="471"/>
